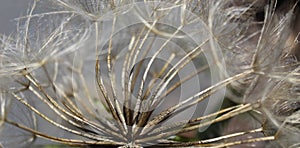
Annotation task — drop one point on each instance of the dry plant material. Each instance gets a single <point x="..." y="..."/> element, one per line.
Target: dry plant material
<point x="130" y="73"/>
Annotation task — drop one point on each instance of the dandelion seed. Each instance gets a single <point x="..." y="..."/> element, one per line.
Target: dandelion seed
<point x="95" y="9"/>
<point x="11" y="136"/>
<point x="259" y="49"/>
<point x="144" y="76"/>
<point x="281" y="105"/>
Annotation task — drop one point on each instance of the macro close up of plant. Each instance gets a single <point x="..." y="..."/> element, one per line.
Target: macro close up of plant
<point x="152" y="73"/>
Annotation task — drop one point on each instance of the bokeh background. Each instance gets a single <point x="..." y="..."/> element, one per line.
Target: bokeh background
<point x="10" y="9"/>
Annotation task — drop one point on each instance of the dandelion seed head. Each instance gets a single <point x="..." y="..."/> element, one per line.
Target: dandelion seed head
<point x="102" y="74"/>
